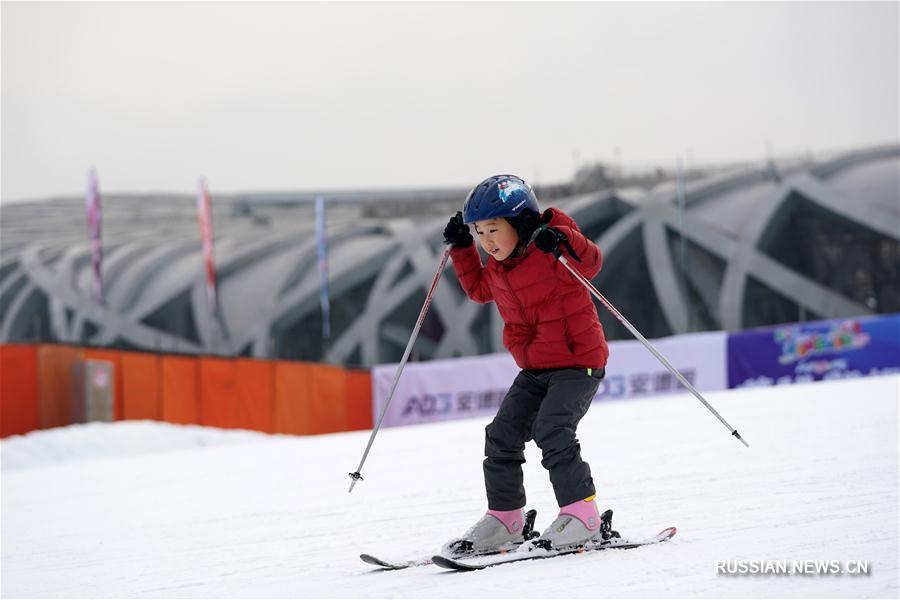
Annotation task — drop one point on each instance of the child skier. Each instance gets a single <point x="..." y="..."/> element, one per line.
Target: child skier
<point x="552" y="330"/>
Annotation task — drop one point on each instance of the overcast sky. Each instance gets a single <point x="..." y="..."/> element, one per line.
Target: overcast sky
<point x="304" y="96"/>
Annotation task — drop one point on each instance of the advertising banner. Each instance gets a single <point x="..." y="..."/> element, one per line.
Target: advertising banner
<point x="442" y="390"/>
<point x="93" y="207"/>
<point x="633" y="372"/>
<point x="814" y="351"/>
<point x="204" y="219"/>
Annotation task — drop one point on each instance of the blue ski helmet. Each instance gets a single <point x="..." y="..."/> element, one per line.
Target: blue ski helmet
<point x="499" y="196"/>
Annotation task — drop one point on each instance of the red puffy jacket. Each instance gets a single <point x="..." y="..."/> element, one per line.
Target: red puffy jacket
<point x="549" y="319"/>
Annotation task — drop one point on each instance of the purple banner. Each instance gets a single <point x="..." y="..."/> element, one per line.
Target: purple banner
<point x="813" y="351"/>
<point x="92" y="204"/>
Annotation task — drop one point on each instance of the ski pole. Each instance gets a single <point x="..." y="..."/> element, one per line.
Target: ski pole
<point x="648" y="345"/>
<point x="355" y="476"/>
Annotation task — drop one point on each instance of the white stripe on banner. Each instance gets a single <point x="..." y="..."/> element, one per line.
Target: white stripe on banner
<point x="322" y="250"/>
<point x="92" y="204"/>
<point x="442" y="390"/>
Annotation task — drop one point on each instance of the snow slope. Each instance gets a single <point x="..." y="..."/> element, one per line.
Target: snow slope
<point x="271" y="517"/>
<point x="100" y="440"/>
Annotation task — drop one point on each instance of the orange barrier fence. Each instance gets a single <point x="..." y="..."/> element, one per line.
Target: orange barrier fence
<point x="54" y="384"/>
<point x="18" y="390"/>
<point x="359" y="400"/>
<point x="255" y="383"/>
<point x="180" y="390"/>
<point x="37" y="391"/>
<point x="289" y="414"/>
<point x="140" y="386"/>
<point x="218" y="393"/>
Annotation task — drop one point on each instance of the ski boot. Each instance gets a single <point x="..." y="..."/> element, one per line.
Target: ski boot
<point x="578" y="523"/>
<point x="497" y="531"/>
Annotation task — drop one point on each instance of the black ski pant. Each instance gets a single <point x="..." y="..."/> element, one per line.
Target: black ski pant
<point x="545" y="406"/>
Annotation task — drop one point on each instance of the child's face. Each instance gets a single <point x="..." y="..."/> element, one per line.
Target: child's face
<point x="497" y="237"/>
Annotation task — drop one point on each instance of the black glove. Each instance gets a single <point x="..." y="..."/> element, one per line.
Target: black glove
<point x="457" y="233"/>
<point x="547" y="216"/>
<point x="538" y="223"/>
<point x="548" y="239"/>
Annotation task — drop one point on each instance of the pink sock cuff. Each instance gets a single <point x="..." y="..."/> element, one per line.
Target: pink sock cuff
<point x="586" y="512"/>
<point x="512" y="519"/>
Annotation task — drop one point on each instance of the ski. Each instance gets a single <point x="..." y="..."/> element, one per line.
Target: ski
<point x="534" y="553"/>
<point x="396" y="565"/>
<point x="534" y="550"/>
<point x="390" y="565"/>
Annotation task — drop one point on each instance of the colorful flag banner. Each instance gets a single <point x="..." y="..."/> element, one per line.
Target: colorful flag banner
<point x="322" y="248"/>
<point x="92" y="204"/>
<point x="204" y="218"/>
<point x="815" y="350"/>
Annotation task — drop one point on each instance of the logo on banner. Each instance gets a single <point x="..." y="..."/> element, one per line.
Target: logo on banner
<point x="460" y="403"/>
<point x="798" y="344"/>
<point x="643" y="383"/>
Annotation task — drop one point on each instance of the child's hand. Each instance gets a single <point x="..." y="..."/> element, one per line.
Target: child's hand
<point x="457" y="233"/>
<point x="548" y="239"/>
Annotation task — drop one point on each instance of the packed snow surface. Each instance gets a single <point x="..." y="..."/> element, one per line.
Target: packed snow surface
<point x="103" y="440"/>
<point x="159" y="511"/>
